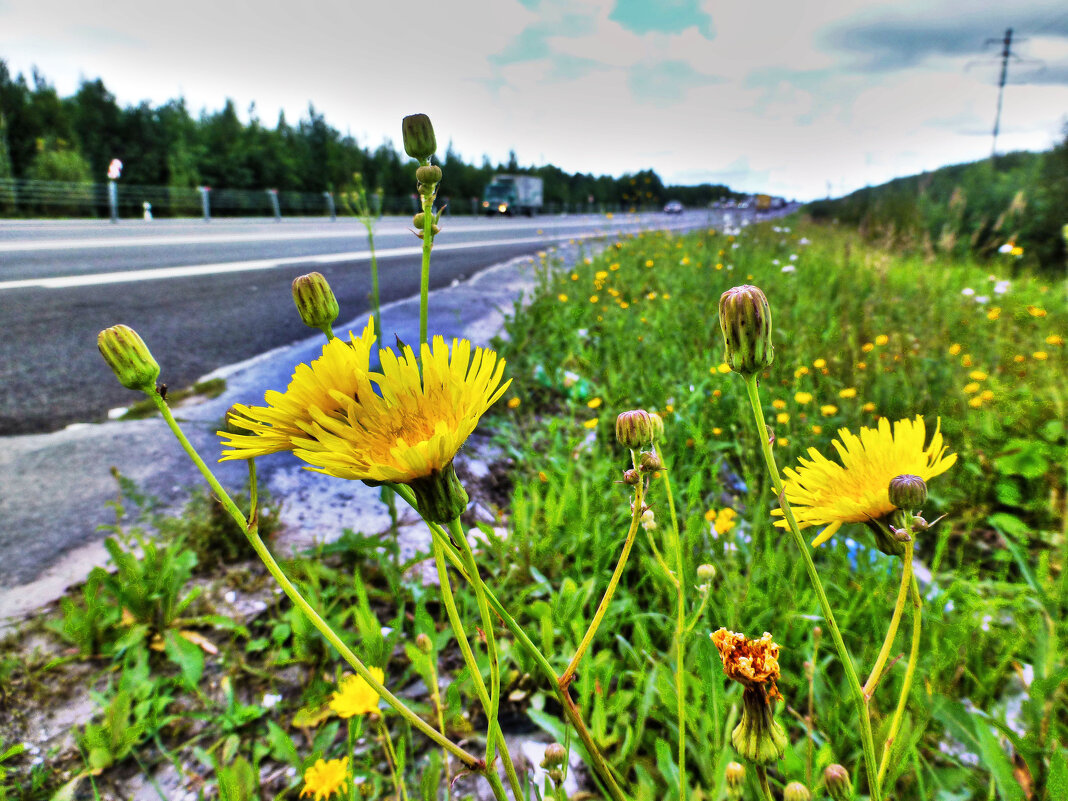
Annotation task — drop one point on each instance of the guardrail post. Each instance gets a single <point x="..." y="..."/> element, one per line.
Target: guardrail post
<point x="330" y="208"/>
<point x="205" y="203"/>
<point x="273" y="195"/>
<point x="113" y="201"/>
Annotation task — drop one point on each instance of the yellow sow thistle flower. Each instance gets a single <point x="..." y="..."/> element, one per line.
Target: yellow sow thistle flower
<point x="1054" y="339"/>
<point x="355" y="696"/>
<point x="803" y="397"/>
<point x="324" y="779"/>
<point x="825" y="493"/>
<point x="401" y="425"/>
<point x="954" y="349"/>
<point x="755" y="665"/>
<point x="828" y="410"/>
<point x="848" y="392"/>
<point x="882" y="339"/>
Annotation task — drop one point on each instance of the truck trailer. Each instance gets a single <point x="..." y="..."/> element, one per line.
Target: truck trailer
<point x="513" y="194"/>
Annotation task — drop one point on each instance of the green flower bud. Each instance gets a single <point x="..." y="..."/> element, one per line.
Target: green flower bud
<point x="745" y="319"/>
<point x="315" y="301"/>
<point x="128" y="357"/>
<point x="836" y="779"/>
<point x="423" y="643"/>
<point x="418" y="134"/>
<point x="885" y="539"/>
<point x="631" y="477"/>
<point x="758" y="737"/>
<point x="735" y="774"/>
<point x="705" y="573"/>
<point x="908" y="492"/>
<point x="428" y="174"/>
<point x="440" y="497"/>
<point x="658" y="427"/>
<point x="795" y="791"/>
<point x="635" y="428"/>
<point x="649" y="462"/>
<point x="554" y="756"/>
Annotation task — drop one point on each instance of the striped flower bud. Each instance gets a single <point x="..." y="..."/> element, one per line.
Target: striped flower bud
<point x="836" y="779"/>
<point x="428" y="174"/>
<point x="745" y="318"/>
<point x="795" y="791"/>
<point x="908" y="492"/>
<point x="635" y="429"/>
<point x="128" y="357"/>
<point x="418" y="134"/>
<point x="554" y="756"/>
<point x="315" y="301"/>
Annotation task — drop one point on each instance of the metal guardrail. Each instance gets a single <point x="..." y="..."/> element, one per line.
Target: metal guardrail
<point x="26" y="198"/>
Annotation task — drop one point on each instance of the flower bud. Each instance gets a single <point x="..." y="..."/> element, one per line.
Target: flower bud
<point x="735" y="774"/>
<point x="423" y="643"/>
<point x="631" y="477"/>
<point x="649" y="462"/>
<point x="128" y="357"/>
<point x="658" y="426"/>
<point x="705" y="573"/>
<point x="635" y="429"/>
<point x="315" y="301"/>
<point x="908" y="492"/>
<point x="836" y="779"/>
<point x="795" y="791"/>
<point x="554" y="756"/>
<point x="745" y="319"/>
<point x="440" y="497"/>
<point x="418" y="135"/>
<point x="428" y="174"/>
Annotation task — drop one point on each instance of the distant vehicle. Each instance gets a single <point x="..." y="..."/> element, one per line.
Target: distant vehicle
<point x="513" y="194"/>
<point x="673" y="207"/>
<point x="763" y="202"/>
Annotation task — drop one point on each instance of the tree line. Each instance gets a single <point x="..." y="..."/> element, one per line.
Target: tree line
<point x="46" y="137"/>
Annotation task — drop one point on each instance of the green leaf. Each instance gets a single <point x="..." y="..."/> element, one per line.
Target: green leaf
<point x="1057" y="784"/>
<point x="188" y="657"/>
<point x="282" y="746"/>
<point x="1023" y="457"/>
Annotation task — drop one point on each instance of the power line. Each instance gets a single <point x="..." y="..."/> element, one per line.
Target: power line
<point x="1005" y="53"/>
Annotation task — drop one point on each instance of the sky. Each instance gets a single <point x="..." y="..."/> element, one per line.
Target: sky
<point x="797" y="98"/>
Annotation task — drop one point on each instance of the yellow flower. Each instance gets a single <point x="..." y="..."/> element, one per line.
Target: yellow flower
<point x="882" y="339"/>
<point x="751" y="663"/>
<point x="396" y="425"/>
<point x="817" y="429"/>
<point x="355" y="696"/>
<point x="803" y="397"/>
<point x="977" y="375"/>
<point x="1036" y="311"/>
<point x="1019" y="358"/>
<point x="972" y="387"/>
<point x="778" y="404"/>
<point x="594" y="298"/>
<point x="827" y="410"/>
<point x="1054" y="339"/>
<point x="717" y="431"/>
<point x="819" y="364"/>
<point x="326" y="778"/>
<point x="513" y="403"/>
<point x="868" y="407"/>
<point x="954" y="349"/>
<point x="800" y="371"/>
<point x="825" y="493"/>
<point x="862" y="365"/>
<point x="594" y="403"/>
<point x="782" y="442"/>
<point x="975" y="402"/>
<point x="562" y="297"/>
<point x="848" y="392"/>
<point x="723" y="520"/>
<point x="987" y="395"/>
<point x="782" y="418"/>
<point x="966" y="360"/>
<point x="724" y="368"/>
<point x="648" y="262"/>
<point x="867" y="347"/>
<point x="994" y="313"/>
<point x="591" y="423"/>
<point x="1040" y="355"/>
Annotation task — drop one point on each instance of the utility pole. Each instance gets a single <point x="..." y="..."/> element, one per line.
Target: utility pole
<point x="1006" y="51"/>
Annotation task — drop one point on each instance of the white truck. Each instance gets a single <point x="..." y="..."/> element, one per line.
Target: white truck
<point x="513" y="194"/>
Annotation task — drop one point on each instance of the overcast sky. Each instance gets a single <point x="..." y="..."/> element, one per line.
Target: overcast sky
<point x="764" y="95"/>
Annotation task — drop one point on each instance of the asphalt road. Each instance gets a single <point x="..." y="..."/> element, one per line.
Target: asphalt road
<point x="206" y="295"/>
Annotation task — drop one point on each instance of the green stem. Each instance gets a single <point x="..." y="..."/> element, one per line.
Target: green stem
<point x="895" y="620"/>
<point x="571" y="711"/>
<point x="635" y="517"/>
<point x="391" y="760"/>
<point x="867" y="740"/>
<point x="762" y="778"/>
<point x="424" y="277"/>
<point x="680" y="628"/>
<point x="435" y="697"/>
<point x="494" y="733"/>
<point x="914" y="652"/>
<point x="471" y="761"/>
<point x="376" y="307"/>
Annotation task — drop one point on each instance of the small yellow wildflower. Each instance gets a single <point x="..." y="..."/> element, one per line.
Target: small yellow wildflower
<point x="1054" y="339"/>
<point x="966" y="360"/>
<point x="723" y="520"/>
<point x="355" y="696"/>
<point x="779" y="403"/>
<point x="562" y="297"/>
<point x="868" y="347"/>
<point x="954" y="349"/>
<point x="594" y="298"/>
<point x="882" y="339"/>
<point x="972" y="387"/>
<point x="994" y="313"/>
<point x="977" y="375"/>
<point x="544" y="479"/>
<point x="595" y="403"/>
<point x="648" y="262"/>
<point x="685" y="260"/>
<point x="1040" y="355"/>
<point x="782" y="418"/>
<point x="803" y="397"/>
<point x="800" y="371"/>
<point x="650" y="296"/>
<point x="868" y="407"/>
<point x="324" y="779"/>
<point x="724" y="368"/>
<point x="782" y="442"/>
<point x="717" y="431"/>
<point x="819" y="364"/>
<point x="591" y="423"/>
<point x="1019" y="358"/>
<point x="513" y="403"/>
<point x="848" y="392"/>
<point x="613" y="266"/>
<point x="719" y="266"/>
<point x="574" y="276"/>
<point x="817" y="429"/>
<point x="1036" y="311"/>
<point x="975" y="402"/>
<point x="987" y="395"/>
<point x="862" y="365"/>
<point x="827" y="410"/>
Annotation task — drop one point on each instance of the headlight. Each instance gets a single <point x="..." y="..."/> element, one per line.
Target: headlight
<point x="502" y="208"/>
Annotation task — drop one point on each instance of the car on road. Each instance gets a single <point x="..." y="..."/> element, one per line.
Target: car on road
<point x="673" y="207"/>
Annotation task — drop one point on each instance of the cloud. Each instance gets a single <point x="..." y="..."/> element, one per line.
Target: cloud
<point x="664" y="16"/>
<point x="532" y="43"/>
<point x="665" y="83"/>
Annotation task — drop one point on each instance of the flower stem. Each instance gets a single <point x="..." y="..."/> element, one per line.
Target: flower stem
<point x="867" y="740"/>
<point x="424" y="276"/>
<point x="914" y="652"/>
<point x="252" y="533"/>
<point x="680" y="627"/>
<point x="762" y="778"/>
<point x="635" y="517"/>
<point x="391" y="760"/>
<point x="895" y="620"/>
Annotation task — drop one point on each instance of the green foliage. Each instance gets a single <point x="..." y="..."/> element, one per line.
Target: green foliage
<point x="89" y="624"/>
